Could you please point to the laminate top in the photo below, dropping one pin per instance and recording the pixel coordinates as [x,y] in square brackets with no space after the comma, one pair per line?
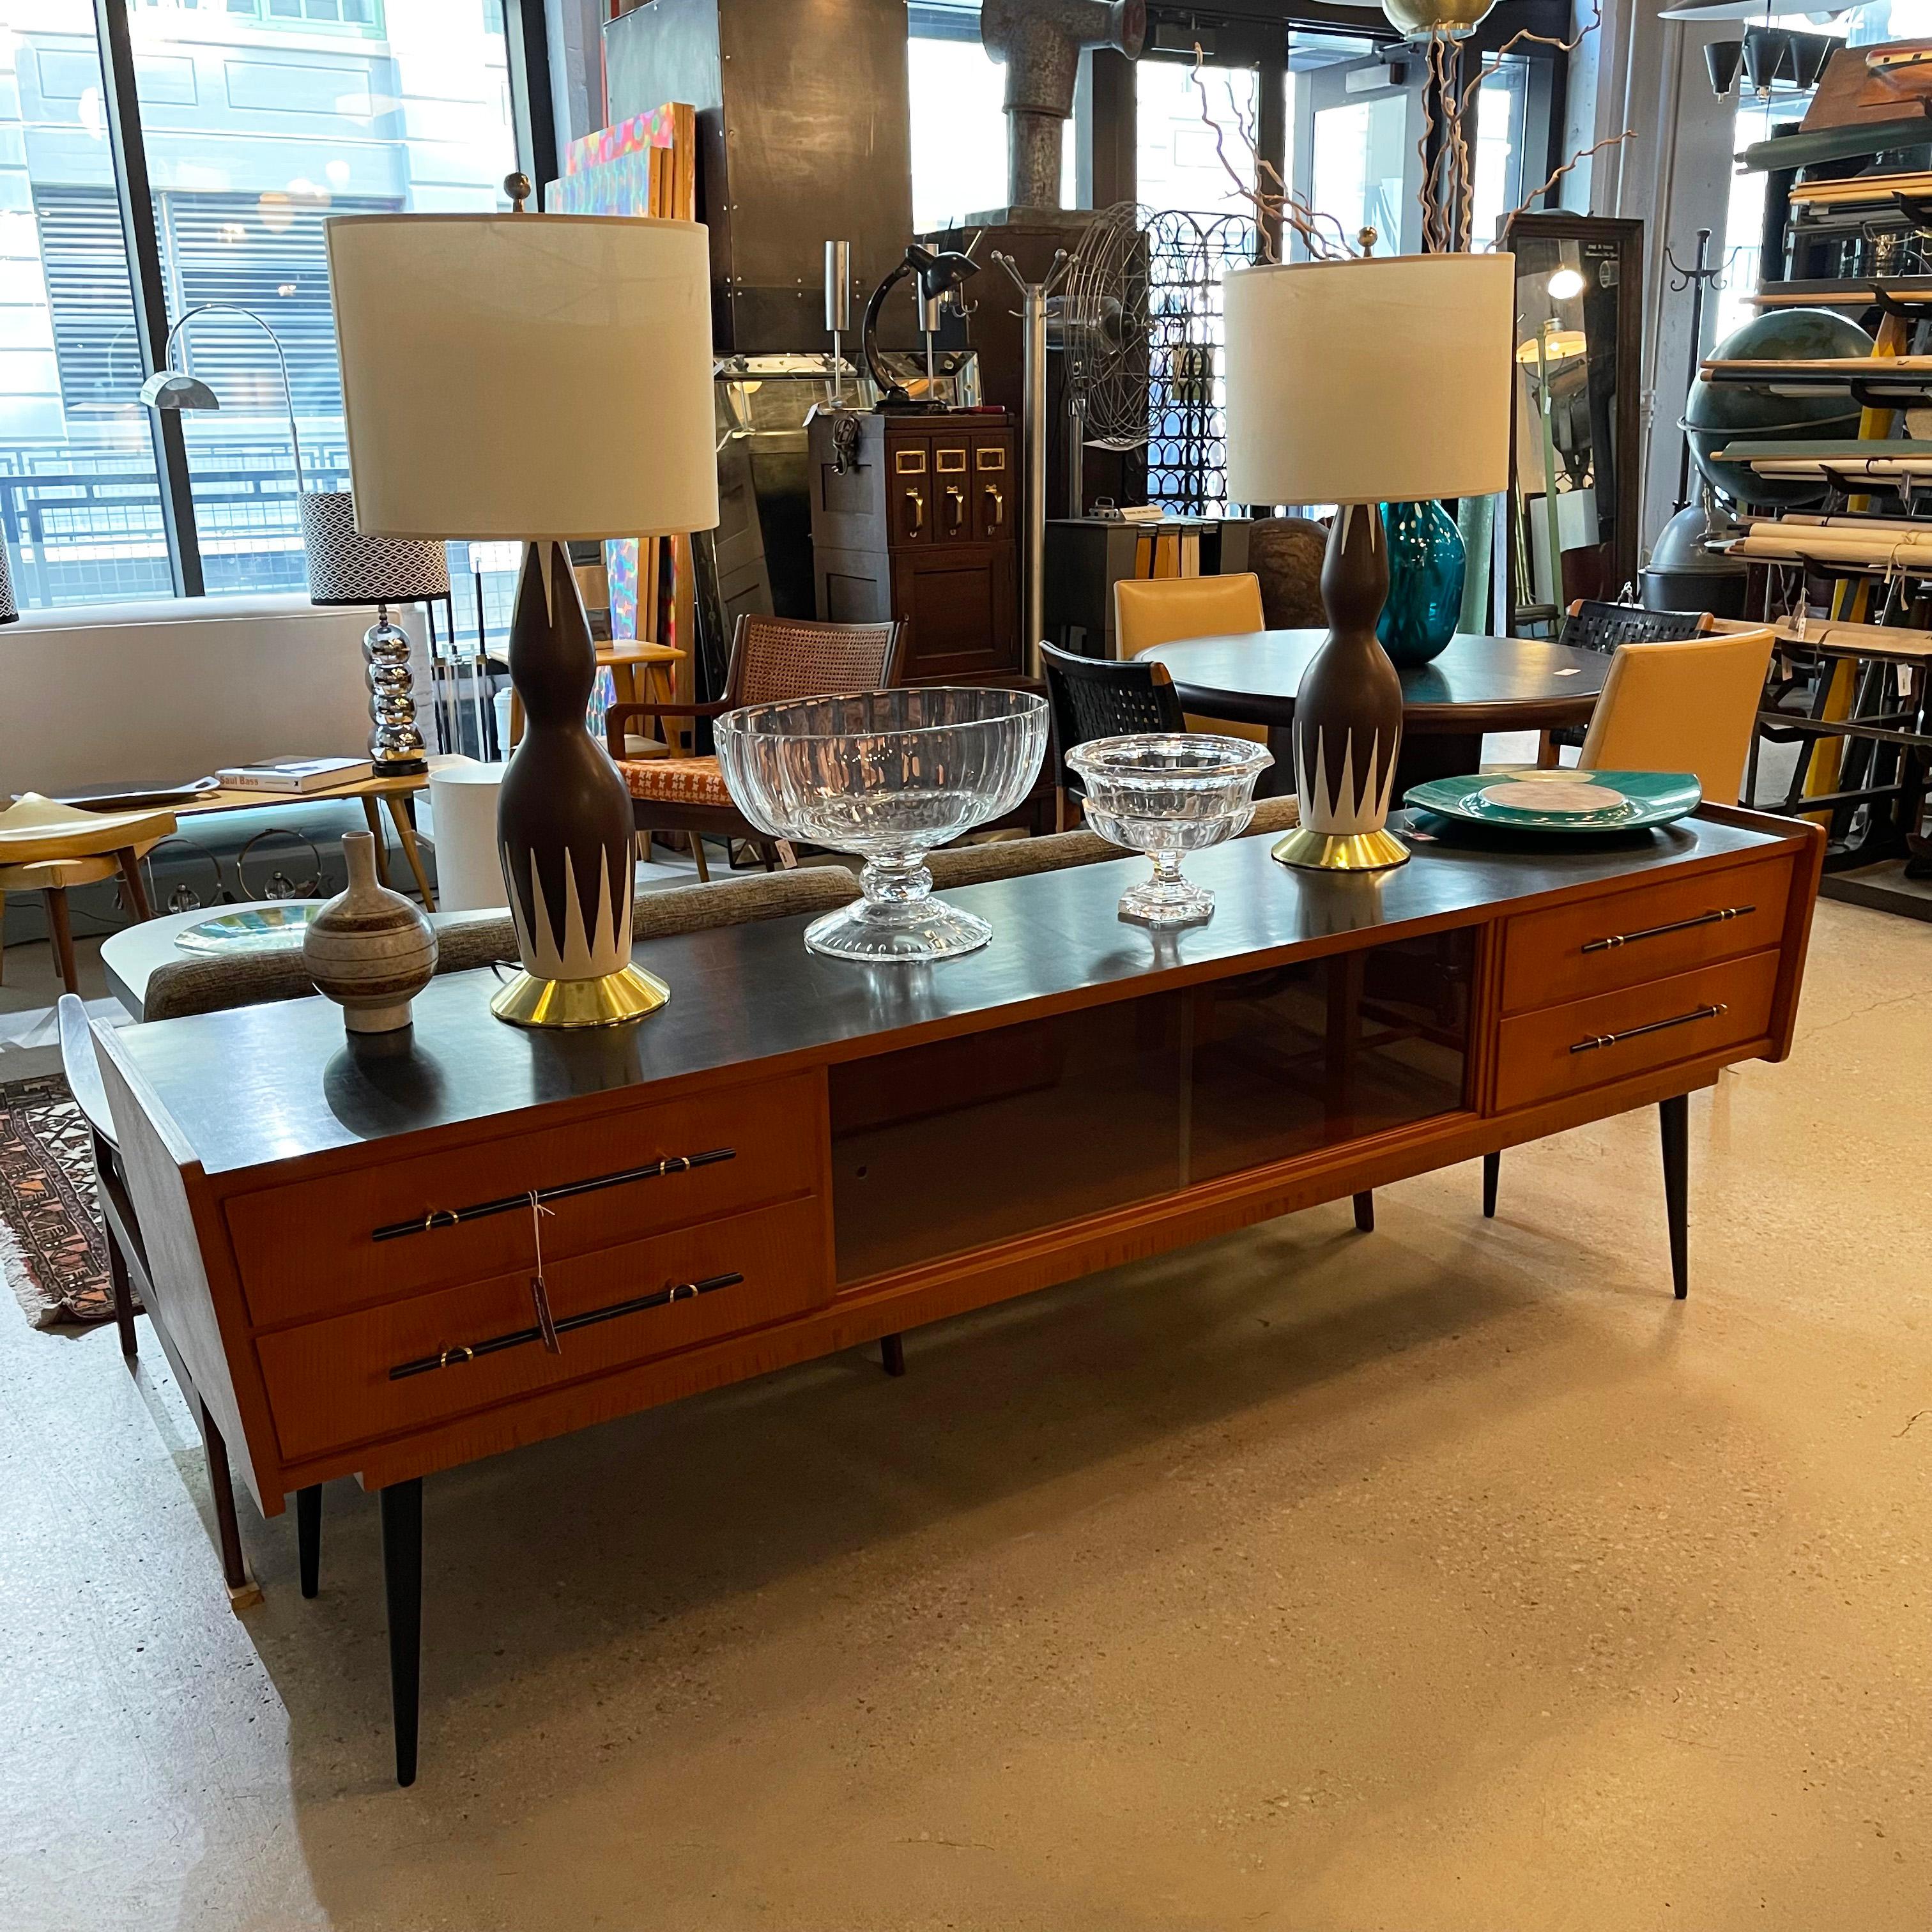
[260,1085]
[1478,683]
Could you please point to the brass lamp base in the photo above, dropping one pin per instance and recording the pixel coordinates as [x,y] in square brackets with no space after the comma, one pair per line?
[1331,852]
[627,994]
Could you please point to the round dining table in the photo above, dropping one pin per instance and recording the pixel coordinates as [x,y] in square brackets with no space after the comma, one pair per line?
[1478,684]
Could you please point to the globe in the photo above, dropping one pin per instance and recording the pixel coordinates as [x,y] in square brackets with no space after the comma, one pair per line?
[1716,413]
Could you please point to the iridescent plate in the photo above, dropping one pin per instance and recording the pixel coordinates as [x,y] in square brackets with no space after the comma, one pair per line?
[280,928]
[1563,801]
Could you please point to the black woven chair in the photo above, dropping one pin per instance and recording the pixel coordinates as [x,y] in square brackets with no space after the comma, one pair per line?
[1096,697]
[1591,626]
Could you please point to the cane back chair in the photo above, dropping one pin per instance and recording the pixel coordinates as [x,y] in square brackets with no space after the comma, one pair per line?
[772,658]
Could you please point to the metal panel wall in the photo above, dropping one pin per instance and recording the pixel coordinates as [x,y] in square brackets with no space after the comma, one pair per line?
[803,137]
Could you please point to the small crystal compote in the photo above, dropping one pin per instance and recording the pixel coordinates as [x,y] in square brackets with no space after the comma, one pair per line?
[1165,793]
[886,775]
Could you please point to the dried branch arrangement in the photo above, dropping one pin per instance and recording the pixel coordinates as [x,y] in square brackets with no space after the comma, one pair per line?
[1448,191]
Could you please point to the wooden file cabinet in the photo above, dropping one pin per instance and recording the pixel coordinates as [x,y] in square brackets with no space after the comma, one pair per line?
[915,520]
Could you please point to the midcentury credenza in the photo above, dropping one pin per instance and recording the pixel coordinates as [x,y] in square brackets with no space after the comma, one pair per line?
[799,1155]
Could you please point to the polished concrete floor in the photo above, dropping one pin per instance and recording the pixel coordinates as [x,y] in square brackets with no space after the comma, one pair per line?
[1449,1577]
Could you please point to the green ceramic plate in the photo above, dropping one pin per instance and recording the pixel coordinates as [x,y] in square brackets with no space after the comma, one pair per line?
[263,929]
[1561,801]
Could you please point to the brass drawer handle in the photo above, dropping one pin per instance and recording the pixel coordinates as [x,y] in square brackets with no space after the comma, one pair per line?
[452,1217]
[1676,925]
[997,497]
[916,498]
[518,1338]
[1655,1026]
[956,507]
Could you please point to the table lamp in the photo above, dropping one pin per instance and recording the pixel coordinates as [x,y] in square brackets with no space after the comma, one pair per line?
[1358,383]
[345,567]
[547,378]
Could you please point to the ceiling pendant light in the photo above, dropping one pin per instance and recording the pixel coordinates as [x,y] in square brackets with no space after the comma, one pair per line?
[1721,60]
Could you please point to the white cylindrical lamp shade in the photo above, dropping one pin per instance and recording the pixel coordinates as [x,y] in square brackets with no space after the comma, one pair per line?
[1385,380]
[526,376]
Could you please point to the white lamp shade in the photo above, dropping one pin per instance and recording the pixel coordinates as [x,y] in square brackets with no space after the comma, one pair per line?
[1379,381]
[525,375]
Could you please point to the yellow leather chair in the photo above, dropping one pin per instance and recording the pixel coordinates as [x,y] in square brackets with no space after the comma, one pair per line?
[1149,611]
[1689,705]
[47,848]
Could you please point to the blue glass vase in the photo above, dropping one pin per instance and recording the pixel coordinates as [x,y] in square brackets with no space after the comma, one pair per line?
[1426,563]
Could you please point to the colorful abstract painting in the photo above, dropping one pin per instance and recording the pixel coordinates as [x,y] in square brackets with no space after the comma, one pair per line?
[610,172]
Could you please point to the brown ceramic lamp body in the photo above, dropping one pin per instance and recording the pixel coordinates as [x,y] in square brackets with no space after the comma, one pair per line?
[564,823]
[1348,712]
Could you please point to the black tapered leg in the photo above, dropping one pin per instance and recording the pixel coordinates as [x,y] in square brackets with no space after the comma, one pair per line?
[1493,1171]
[221,1486]
[891,1353]
[1673,1119]
[308,1537]
[123,1297]
[1365,1212]
[401,1506]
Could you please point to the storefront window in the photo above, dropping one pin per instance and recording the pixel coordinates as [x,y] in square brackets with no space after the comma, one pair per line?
[259,119]
[80,505]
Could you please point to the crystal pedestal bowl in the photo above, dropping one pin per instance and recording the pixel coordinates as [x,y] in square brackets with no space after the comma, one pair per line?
[886,775]
[1164,794]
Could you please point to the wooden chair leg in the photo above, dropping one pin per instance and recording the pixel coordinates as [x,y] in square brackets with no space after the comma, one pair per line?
[891,1353]
[1493,1168]
[123,1296]
[1365,1212]
[130,862]
[698,852]
[1548,756]
[62,934]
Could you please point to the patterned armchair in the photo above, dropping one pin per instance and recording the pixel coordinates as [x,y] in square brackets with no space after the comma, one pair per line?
[772,658]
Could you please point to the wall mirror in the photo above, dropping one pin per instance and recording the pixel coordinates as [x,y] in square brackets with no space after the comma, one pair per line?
[1575,474]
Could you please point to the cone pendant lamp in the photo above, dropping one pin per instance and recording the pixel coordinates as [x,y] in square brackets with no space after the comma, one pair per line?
[542,378]
[1359,383]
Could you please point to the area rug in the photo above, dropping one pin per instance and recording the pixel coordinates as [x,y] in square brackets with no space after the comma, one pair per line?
[51,1245]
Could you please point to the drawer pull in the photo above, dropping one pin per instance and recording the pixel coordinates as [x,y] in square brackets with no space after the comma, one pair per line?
[1656,1026]
[452,1217]
[453,1357]
[1676,925]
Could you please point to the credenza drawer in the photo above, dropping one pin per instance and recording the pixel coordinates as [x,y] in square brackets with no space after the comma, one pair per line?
[1559,1050]
[330,1384]
[311,1249]
[1625,939]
